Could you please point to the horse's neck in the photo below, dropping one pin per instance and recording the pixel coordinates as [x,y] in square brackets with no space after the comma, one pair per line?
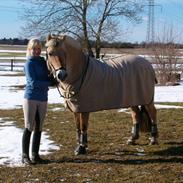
[76,67]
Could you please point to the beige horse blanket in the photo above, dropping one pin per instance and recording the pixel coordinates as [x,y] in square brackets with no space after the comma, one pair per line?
[120,82]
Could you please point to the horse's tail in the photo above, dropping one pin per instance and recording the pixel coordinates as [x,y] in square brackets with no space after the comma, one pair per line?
[145,122]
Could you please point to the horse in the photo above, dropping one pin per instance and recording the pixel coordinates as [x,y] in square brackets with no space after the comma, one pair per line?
[89,85]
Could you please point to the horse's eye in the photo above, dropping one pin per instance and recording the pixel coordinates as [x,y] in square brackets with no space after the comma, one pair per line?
[50,53]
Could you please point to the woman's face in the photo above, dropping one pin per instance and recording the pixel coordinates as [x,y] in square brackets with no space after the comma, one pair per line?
[36,51]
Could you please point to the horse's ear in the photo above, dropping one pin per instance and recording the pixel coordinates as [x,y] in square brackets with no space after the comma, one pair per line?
[62,37]
[48,37]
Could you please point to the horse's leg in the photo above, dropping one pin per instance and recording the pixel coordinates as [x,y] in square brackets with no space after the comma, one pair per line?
[135,112]
[78,130]
[153,115]
[82,127]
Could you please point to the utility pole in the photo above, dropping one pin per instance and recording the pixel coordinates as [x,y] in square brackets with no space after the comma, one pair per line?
[150,24]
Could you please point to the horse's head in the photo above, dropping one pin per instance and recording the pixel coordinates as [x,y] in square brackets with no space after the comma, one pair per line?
[56,56]
[65,57]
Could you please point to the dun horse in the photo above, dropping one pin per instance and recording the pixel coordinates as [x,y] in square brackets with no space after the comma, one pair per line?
[89,85]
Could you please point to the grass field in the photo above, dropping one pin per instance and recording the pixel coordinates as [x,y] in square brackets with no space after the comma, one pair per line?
[109,159]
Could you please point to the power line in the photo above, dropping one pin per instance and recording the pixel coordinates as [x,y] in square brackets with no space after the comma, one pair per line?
[10,8]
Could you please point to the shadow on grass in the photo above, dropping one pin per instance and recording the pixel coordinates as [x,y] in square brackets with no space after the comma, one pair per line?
[173,154]
[176,149]
[119,161]
[127,161]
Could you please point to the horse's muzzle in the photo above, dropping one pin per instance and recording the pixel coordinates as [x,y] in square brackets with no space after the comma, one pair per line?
[61,74]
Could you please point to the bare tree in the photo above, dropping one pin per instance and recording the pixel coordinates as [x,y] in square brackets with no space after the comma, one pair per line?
[85,19]
[168,68]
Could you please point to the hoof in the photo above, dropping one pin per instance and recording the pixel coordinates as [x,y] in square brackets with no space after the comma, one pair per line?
[153,141]
[80,150]
[130,141]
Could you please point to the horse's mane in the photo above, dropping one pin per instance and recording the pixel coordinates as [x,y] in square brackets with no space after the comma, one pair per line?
[53,40]
[72,42]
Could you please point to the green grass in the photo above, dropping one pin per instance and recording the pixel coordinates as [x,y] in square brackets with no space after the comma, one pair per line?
[109,159]
[171,103]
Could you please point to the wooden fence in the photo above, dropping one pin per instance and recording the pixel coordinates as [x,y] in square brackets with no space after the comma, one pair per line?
[17,63]
[12,64]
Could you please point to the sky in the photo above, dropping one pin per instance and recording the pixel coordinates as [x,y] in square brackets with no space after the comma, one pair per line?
[167,13]
[10,147]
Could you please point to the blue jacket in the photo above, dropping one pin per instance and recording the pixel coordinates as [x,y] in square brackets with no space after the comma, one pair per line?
[37,80]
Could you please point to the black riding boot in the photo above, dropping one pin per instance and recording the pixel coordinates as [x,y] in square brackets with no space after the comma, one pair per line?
[36,141]
[135,134]
[25,147]
[35,147]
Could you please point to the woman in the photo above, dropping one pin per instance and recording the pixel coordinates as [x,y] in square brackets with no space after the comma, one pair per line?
[35,101]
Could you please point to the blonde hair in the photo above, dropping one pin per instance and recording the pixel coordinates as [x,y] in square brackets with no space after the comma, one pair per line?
[34,42]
